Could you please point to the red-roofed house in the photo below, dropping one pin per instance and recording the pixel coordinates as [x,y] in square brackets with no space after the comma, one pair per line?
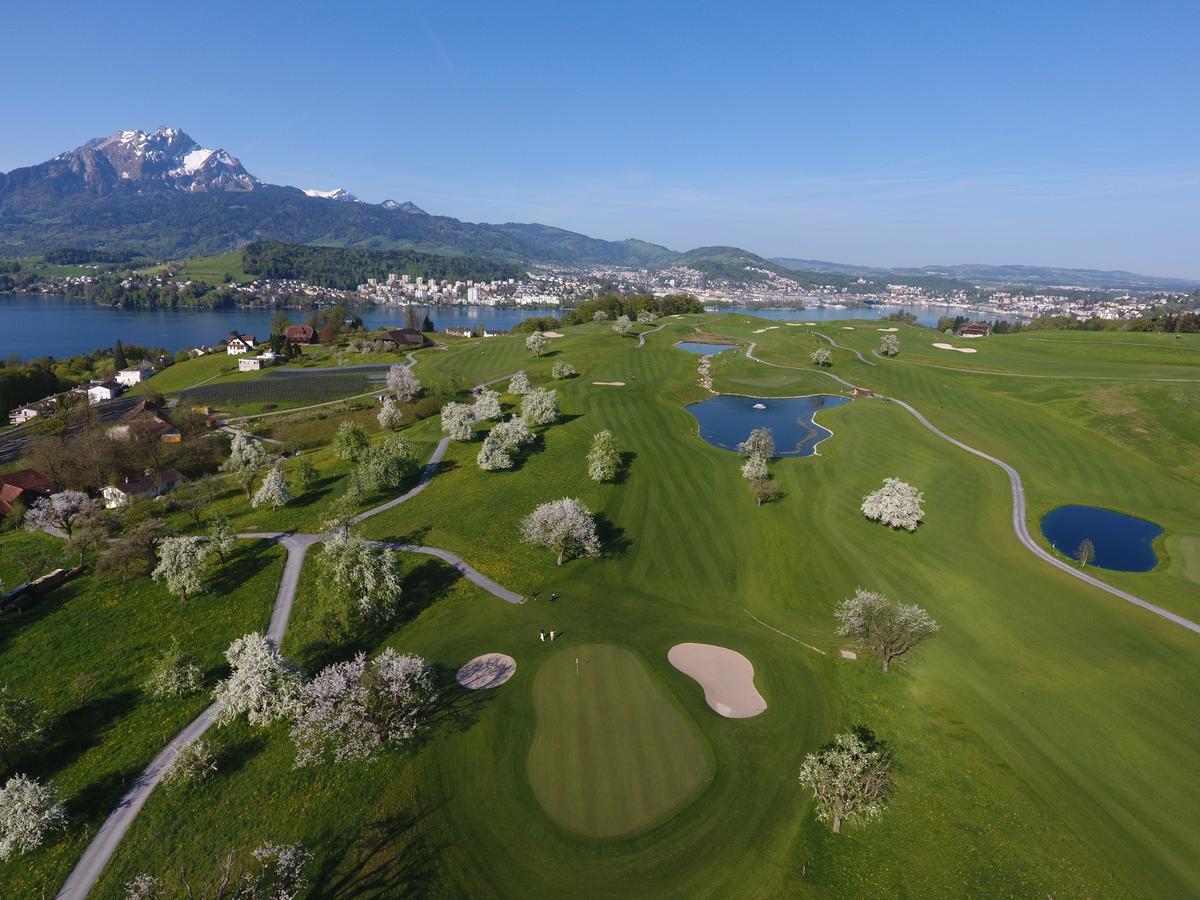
[25,485]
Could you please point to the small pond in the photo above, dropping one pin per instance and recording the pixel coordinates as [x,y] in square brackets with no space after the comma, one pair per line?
[701,349]
[727,420]
[1121,542]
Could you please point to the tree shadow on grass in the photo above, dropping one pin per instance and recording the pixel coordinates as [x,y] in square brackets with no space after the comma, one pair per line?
[456,707]
[623,466]
[567,418]
[387,858]
[75,732]
[13,623]
[249,558]
[318,492]
[613,541]
[234,758]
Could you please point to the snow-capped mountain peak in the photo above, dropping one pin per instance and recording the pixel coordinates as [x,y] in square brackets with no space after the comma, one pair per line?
[335,194]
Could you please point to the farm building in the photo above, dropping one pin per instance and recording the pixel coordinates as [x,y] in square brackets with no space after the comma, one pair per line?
[153,485]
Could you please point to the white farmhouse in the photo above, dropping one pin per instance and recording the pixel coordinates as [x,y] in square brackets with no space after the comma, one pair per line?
[103,390]
[135,375]
[239,344]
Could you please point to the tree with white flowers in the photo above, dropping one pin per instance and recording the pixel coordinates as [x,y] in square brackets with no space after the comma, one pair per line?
[350,442]
[646,317]
[221,537]
[364,579]
[390,415]
[536,343]
[458,421]
[493,455]
[174,674]
[849,779]
[539,407]
[269,872]
[353,710]
[61,512]
[192,763]
[487,405]
[889,345]
[246,459]
[274,490]
[599,316]
[603,459]
[519,384]
[29,810]
[563,370]
[513,434]
[183,565]
[385,465]
[564,526]
[403,384]
[755,468]
[761,442]
[889,630]
[822,356]
[262,685]
[622,325]
[896,504]
[20,728]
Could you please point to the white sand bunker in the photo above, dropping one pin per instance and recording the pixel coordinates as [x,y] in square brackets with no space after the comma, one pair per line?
[847,328]
[487,671]
[726,676]
[551,334]
[610,383]
[768,328]
[810,323]
[795,324]
[942,346]
[887,329]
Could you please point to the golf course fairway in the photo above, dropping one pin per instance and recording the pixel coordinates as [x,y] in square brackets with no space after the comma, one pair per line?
[612,753]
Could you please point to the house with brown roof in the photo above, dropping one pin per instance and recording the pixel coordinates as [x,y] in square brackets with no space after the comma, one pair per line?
[145,415]
[404,338]
[975,329]
[300,334]
[240,343]
[153,485]
[24,486]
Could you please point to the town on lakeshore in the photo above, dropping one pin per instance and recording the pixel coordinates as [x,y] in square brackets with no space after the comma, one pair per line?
[663,452]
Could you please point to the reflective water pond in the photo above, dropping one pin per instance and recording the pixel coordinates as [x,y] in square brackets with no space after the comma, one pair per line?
[727,420]
[1119,542]
[701,349]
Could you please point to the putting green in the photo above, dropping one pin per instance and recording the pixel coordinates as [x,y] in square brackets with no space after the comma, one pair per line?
[611,753]
[1189,551]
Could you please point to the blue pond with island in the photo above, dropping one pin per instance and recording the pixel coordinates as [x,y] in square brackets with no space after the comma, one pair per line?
[1121,542]
[727,420]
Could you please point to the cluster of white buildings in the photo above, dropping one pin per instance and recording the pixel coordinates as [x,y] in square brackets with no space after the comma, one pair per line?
[407,289]
[96,392]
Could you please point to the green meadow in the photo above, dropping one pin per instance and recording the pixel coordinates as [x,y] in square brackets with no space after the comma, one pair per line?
[1045,740]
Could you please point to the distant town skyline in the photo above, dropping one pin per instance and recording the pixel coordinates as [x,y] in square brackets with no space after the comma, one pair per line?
[1049,134]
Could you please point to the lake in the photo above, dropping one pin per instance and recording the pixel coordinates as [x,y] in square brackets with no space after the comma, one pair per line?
[727,419]
[703,349]
[1121,542]
[42,325]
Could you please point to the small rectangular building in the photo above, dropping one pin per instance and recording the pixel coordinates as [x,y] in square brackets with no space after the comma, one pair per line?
[134,375]
[154,485]
[104,390]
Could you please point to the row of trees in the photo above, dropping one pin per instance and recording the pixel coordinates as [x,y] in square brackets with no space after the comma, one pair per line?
[614,307]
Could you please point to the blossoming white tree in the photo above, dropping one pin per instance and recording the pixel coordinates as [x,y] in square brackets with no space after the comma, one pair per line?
[487,405]
[194,762]
[563,369]
[262,686]
[220,536]
[29,810]
[352,710]
[755,468]
[896,504]
[61,511]
[385,465]
[519,384]
[458,421]
[564,526]
[350,442]
[174,673]
[403,383]
[536,343]
[274,490]
[20,728]
[889,345]
[390,415]
[269,872]
[849,780]
[761,442]
[889,630]
[363,577]
[622,325]
[246,459]
[646,317]
[183,564]
[493,455]
[539,407]
[599,316]
[603,460]
[513,434]
[822,356]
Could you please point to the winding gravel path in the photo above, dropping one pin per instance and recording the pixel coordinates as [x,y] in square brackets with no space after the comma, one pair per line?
[1019,514]
[642,337]
[102,847]
[836,345]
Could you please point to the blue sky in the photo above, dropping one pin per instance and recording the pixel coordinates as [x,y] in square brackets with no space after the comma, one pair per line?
[1053,133]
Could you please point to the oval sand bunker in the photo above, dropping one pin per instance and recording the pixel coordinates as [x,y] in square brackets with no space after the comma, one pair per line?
[487,671]
[726,676]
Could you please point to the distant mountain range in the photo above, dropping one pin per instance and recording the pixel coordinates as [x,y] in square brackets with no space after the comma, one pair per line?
[161,194]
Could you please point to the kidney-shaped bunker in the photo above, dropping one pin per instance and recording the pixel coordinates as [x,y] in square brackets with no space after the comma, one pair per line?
[726,676]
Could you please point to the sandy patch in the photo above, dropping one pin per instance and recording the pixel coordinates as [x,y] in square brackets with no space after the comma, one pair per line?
[676,316]
[487,671]
[610,383]
[887,329]
[847,328]
[768,328]
[848,654]
[943,346]
[551,334]
[726,676]
[966,349]
[810,323]
[795,324]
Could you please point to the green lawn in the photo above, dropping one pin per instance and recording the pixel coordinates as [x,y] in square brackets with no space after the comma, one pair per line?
[611,754]
[1045,739]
